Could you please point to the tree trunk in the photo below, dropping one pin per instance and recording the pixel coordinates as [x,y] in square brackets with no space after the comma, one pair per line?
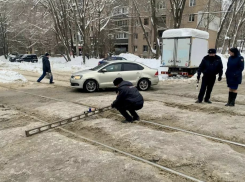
[177,7]
[222,23]
[153,9]
[142,26]
[228,29]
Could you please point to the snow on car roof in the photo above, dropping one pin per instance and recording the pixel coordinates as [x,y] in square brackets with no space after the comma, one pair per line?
[185,32]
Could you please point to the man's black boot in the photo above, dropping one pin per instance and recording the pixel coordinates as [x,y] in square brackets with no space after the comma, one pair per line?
[198,101]
[128,120]
[208,101]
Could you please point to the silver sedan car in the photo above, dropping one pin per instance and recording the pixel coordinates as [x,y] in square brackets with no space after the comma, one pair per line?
[102,76]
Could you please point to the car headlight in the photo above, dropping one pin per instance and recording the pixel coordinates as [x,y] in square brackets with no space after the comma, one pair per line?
[77,77]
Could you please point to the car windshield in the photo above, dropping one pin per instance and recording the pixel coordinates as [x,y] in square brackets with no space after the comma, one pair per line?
[98,67]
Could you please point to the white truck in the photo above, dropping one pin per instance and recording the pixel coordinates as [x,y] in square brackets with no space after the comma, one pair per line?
[183,50]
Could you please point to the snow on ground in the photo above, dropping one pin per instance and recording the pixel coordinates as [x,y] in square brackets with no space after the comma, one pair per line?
[7,76]
[76,64]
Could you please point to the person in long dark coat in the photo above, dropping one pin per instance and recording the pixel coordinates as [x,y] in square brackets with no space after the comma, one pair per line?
[210,66]
[128,99]
[233,74]
[46,68]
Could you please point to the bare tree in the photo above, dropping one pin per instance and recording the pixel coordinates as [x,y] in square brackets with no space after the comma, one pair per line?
[154,21]
[4,20]
[238,13]
[59,12]
[223,20]
[177,8]
[241,13]
[142,26]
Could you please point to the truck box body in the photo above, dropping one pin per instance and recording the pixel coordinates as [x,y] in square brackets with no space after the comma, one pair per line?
[183,49]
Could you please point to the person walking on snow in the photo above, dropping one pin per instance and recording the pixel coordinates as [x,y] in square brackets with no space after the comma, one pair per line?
[46,68]
[128,98]
[210,66]
[233,74]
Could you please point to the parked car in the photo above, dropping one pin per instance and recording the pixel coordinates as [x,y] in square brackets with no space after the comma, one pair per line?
[12,58]
[111,59]
[28,58]
[102,76]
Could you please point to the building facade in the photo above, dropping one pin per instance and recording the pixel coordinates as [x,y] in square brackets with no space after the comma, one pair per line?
[130,36]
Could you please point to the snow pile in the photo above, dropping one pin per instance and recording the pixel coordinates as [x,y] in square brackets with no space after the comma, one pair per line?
[185,32]
[57,64]
[128,56]
[7,76]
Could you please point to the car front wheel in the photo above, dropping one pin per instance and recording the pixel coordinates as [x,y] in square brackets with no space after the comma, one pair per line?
[144,84]
[90,86]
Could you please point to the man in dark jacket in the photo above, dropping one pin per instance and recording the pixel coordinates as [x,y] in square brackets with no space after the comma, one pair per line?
[210,66]
[128,98]
[46,68]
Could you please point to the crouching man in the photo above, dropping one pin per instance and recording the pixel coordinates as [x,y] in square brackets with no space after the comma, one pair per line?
[128,99]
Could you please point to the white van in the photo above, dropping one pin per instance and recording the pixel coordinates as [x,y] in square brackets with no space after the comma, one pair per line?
[183,50]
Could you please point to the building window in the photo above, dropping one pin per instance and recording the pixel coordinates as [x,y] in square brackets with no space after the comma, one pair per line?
[146,21]
[192,2]
[120,10]
[122,36]
[161,5]
[135,48]
[191,17]
[145,48]
[146,35]
[135,36]
[121,23]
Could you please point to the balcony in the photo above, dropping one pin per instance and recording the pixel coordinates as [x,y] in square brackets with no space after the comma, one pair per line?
[121,41]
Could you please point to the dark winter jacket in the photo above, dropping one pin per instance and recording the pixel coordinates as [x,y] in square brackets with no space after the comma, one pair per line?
[46,64]
[127,95]
[211,66]
[234,70]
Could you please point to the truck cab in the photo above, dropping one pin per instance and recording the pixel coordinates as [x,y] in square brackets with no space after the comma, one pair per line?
[183,50]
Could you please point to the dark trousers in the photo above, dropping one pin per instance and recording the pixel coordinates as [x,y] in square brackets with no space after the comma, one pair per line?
[207,86]
[132,110]
[44,74]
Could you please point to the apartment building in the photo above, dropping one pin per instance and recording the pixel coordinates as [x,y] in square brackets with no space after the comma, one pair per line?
[130,36]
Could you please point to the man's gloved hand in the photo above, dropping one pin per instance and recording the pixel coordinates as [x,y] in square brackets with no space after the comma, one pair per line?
[198,77]
[220,78]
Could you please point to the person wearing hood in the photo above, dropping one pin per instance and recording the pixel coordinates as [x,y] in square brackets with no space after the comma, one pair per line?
[128,99]
[233,74]
[210,66]
[46,69]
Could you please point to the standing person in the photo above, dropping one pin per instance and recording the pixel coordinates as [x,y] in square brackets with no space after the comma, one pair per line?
[233,74]
[46,68]
[128,98]
[210,66]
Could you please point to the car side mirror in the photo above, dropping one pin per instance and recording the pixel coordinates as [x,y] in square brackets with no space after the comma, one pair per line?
[103,70]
